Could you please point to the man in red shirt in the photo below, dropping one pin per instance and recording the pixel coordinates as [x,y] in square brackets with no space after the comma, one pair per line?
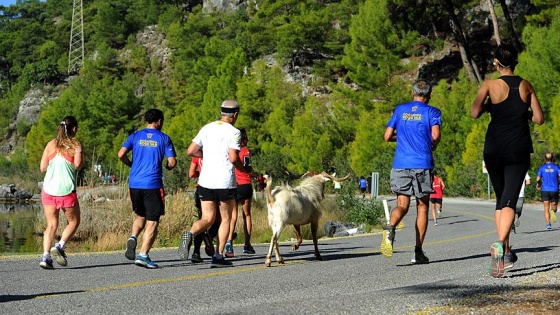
[436,199]
[244,196]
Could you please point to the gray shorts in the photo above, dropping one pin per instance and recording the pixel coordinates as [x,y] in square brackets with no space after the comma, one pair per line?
[417,182]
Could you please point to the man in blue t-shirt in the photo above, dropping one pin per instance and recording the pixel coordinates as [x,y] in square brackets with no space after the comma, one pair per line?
[363,186]
[549,174]
[149,146]
[415,126]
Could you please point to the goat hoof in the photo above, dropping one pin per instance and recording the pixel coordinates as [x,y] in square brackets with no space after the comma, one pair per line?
[267,262]
[319,257]
[281,261]
[295,247]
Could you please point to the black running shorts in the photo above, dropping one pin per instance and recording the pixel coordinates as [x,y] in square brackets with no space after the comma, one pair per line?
[148,203]
[216,195]
[244,192]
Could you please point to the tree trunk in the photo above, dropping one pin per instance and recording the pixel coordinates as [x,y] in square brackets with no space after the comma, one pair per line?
[514,38]
[468,62]
[494,22]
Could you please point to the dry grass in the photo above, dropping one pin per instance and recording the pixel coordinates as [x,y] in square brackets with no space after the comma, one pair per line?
[106,226]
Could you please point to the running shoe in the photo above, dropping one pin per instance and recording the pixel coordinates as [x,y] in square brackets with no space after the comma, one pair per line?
[208,245]
[185,245]
[439,213]
[548,226]
[229,250]
[219,263]
[196,259]
[513,256]
[130,253]
[508,260]
[145,261]
[46,263]
[435,222]
[516,222]
[553,216]
[387,240]
[59,255]
[497,269]
[248,249]
[419,258]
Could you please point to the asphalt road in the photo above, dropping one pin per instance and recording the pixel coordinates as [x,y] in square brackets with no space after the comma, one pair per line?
[353,278]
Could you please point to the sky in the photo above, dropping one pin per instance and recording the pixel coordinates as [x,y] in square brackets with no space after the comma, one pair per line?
[7,3]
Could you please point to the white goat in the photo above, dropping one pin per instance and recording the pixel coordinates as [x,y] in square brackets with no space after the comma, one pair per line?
[298,206]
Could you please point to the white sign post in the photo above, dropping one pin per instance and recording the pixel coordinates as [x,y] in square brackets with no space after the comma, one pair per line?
[387,214]
[485,171]
[374,185]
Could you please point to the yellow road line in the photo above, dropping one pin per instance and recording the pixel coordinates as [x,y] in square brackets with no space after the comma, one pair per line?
[253,268]
[461,238]
[230,271]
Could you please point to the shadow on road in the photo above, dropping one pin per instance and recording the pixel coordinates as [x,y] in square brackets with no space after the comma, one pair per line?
[531,270]
[463,221]
[539,231]
[12,298]
[455,259]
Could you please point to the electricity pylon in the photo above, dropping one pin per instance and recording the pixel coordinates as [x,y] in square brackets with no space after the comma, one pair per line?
[76,51]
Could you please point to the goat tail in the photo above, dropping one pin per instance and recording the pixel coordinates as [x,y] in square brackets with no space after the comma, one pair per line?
[269,198]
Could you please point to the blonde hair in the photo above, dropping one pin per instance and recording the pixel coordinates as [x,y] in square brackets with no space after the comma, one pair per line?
[65,133]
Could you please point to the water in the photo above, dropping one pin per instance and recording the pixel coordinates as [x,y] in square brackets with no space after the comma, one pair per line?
[17,228]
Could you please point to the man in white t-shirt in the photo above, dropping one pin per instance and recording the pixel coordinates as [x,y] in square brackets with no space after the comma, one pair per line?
[218,143]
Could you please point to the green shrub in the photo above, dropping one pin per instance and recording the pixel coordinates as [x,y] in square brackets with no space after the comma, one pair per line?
[360,210]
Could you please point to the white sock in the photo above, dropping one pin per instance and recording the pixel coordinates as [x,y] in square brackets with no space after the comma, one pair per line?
[62,244]
[46,254]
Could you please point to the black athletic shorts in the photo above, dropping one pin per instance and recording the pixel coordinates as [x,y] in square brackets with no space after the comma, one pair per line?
[148,203]
[244,192]
[549,196]
[197,200]
[216,195]
[439,201]
[507,173]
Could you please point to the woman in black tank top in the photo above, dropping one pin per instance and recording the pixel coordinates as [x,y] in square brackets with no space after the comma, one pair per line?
[511,102]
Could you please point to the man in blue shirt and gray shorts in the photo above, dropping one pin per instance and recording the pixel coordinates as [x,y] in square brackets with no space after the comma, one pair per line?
[415,126]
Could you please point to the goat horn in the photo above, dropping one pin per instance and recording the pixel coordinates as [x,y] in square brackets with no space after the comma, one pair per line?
[269,198]
[338,179]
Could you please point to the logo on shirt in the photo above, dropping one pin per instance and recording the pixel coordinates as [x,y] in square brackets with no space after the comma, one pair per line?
[148,143]
[409,116]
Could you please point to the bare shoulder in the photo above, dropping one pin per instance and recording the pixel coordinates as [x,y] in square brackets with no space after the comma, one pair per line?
[497,89]
[50,147]
[526,85]
[494,83]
